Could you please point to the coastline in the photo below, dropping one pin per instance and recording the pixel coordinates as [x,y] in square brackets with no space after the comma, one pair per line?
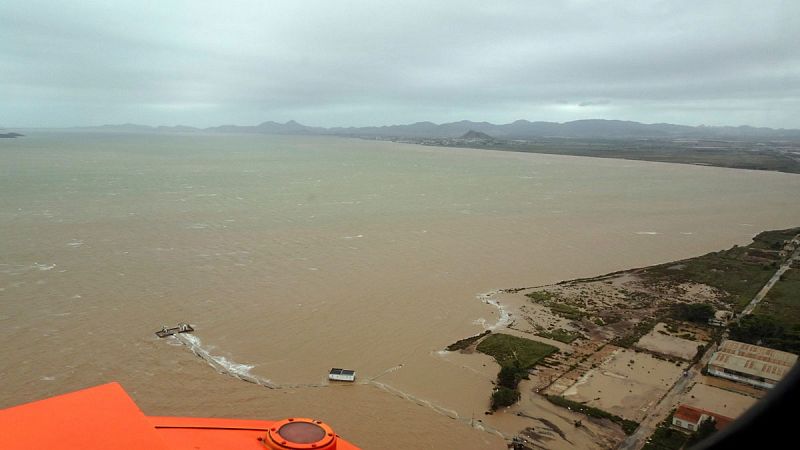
[623,371]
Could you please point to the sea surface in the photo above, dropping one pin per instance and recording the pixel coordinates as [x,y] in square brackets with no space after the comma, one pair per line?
[292,255]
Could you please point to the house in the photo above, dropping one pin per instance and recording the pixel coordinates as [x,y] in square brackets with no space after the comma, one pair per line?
[750,364]
[689,418]
[721,318]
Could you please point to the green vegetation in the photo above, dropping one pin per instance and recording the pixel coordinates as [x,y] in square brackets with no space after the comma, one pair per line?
[516,356]
[732,271]
[567,311]
[510,376]
[628,426]
[509,350]
[775,322]
[733,153]
[774,239]
[783,301]
[639,330]
[560,335]
[542,296]
[556,305]
[666,438]
[466,342]
[764,330]
[693,312]
[503,397]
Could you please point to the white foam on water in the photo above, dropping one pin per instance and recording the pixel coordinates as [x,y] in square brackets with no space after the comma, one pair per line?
[242,372]
[222,364]
[234,367]
[504,316]
[75,243]
[358,236]
[648,233]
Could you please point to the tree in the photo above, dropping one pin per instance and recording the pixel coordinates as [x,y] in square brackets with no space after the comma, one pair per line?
[504,396]
[694,312]
[509,376]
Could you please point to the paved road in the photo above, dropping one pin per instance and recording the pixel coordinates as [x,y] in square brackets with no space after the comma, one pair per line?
[659,412]
[777,276]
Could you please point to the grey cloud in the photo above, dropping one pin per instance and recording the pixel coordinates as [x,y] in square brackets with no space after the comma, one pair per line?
[366,63]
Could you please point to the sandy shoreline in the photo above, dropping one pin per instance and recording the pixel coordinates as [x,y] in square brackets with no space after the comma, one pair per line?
[619,351]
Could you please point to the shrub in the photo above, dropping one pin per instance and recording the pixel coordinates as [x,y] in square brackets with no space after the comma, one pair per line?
[503,397]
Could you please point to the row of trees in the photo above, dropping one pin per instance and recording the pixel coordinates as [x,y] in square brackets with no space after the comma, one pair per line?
[693,312]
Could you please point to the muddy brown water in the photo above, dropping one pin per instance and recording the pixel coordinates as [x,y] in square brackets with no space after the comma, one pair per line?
[292,255]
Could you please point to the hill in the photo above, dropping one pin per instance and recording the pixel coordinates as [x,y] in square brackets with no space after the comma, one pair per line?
[520,129]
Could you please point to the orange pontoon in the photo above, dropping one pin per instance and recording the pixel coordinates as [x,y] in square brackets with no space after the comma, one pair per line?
[106,418]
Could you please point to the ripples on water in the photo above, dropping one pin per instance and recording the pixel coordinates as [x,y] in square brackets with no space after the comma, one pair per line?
[297,254]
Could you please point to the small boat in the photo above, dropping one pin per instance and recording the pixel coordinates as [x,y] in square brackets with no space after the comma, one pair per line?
[181,328]
[342,375]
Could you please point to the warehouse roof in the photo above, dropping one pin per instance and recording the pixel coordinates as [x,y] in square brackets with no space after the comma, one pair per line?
[753,360]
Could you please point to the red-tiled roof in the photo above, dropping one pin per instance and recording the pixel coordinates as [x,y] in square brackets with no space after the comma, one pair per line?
[689,414]
[693,415]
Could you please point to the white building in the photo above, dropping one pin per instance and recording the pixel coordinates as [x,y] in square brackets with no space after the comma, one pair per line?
[689,418]
[751,364]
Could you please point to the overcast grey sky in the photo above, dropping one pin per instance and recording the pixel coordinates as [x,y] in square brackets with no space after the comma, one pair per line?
[328,62]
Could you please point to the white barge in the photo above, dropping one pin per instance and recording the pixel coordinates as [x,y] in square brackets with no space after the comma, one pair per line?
[342,375]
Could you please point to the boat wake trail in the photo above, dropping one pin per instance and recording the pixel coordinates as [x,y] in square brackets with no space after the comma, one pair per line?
[221,364]
[242,372]
[387,371]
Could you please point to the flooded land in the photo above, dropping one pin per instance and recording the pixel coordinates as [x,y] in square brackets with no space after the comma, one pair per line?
[292,255]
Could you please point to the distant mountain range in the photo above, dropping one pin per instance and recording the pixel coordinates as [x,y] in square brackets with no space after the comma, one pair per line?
[521,129]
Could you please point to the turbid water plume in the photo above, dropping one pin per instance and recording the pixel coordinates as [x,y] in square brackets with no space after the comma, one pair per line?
[292,255]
